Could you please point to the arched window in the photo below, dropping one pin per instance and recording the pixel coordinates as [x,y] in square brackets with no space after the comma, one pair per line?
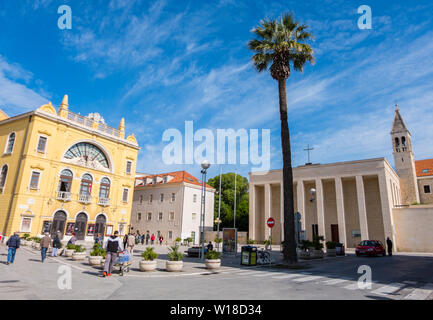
[3,176]
[11,142]
[65,181]
[403,141]
[104,190]
[397,144]
[86,185]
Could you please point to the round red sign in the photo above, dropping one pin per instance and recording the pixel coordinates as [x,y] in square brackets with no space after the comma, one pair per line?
[271,222]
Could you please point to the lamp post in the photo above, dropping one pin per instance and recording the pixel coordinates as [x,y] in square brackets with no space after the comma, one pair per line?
[205,165]
[219,209]
[313,197]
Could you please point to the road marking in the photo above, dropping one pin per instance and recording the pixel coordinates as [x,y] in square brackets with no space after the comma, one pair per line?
[420,293]
[334,281]
[305,279]
[353,286]
[389,289]
[287,276]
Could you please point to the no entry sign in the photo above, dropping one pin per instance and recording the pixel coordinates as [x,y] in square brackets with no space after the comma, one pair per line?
[271,222]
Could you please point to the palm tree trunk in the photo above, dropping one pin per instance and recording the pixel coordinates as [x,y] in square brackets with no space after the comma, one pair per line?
[289,247]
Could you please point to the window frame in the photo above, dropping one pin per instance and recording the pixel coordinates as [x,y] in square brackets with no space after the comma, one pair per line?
[39,180]
[8,142]
[30,226]
[160,216]
[46,143]
[429,189]
[130,167]
[123,195]
[149,216]
[169,216]
[2,188]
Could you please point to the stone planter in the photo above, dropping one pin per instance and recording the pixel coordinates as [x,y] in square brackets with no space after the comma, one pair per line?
[102,263]
[78,256]
[69,252]
[147,265]
[213,263]
[37,246]
[317,254]
[331,252]
[95,260]
[33,244]
[174,266]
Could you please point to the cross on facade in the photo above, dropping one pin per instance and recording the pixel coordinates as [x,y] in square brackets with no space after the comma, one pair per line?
[308,152]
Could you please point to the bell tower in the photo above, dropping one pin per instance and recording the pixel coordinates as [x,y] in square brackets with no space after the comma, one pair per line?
[404,160]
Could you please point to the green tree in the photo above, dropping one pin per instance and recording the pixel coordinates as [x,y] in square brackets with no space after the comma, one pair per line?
[228,200]
[279,45]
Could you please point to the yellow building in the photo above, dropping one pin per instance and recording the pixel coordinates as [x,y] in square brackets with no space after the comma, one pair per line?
[63,171]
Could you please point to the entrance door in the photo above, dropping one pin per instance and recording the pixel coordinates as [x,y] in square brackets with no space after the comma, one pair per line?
[80,226]
[334,233]
[100,225]
[58,224]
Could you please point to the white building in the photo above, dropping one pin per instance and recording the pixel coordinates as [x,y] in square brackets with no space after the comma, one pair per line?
[169,204]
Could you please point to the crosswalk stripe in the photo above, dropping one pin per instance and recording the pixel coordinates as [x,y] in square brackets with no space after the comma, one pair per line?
[388,289]
[353,286]
[334,281]
[310,278]
[420,293]
[287,276]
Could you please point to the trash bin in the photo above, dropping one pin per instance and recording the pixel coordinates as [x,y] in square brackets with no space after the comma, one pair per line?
[249,256]
[339,249]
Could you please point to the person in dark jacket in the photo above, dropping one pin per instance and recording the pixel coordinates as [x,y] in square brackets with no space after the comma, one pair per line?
[112,247]
[56,244]
[210,246]
[13,243]
[389,246]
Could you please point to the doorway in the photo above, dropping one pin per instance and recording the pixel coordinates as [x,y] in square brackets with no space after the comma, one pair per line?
[334,233]
[58,224]
[80,226]
[100,225]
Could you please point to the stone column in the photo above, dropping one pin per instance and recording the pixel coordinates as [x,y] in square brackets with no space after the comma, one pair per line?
[340,211]
[253,213]
[320,207]
[388,223]
[268,208]
[362,208]
[301,201]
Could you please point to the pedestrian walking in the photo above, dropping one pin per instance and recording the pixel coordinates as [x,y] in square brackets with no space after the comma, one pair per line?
[142,238]
[160,240]
[99,239]
[389,246]
[130,244]
[13,244]
[112,247]
[209,246]
[45,244]
[152,238]
[125,240]
[56,244]
[147,238]
[73,239]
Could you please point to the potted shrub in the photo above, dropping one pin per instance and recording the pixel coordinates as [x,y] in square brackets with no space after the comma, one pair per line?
[24,239]
[177,241]
[213,259]
[189,241]
[37,242]
[148,263]
[96,256]
[79,253]
[304,253]
[175,263]
[331,250]
[70,248]
[318,246]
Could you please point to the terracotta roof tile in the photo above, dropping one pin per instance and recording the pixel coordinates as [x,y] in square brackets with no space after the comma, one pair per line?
[424,167]
[178,177]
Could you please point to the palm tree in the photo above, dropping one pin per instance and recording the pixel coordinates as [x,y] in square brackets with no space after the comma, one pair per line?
[281,44]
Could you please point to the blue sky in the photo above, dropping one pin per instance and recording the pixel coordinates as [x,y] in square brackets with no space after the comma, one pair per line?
[160,63]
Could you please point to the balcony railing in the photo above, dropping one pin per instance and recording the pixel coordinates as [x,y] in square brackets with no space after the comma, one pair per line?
[63,195]
[84,198]
[102,127]
[104,201]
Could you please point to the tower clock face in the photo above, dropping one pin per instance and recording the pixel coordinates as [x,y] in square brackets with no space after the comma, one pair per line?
[87,155]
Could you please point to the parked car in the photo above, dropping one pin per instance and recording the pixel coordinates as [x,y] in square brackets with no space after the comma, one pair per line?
[370,248]
[194,251]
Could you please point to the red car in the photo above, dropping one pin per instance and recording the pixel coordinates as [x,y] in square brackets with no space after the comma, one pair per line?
[370,248]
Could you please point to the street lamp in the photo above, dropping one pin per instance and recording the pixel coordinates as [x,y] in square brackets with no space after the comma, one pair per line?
[313,197]
[205,165]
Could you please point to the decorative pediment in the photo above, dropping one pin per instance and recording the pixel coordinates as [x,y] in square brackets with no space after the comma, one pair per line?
[45,132]
[37,166]
[48,108]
